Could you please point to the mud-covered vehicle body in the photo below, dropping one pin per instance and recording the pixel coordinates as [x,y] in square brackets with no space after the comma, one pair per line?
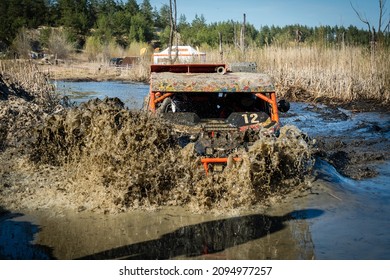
[217,109]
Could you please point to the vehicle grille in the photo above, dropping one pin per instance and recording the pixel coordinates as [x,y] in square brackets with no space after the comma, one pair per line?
[218,127]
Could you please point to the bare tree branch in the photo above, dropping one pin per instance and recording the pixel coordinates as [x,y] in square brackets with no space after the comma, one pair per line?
[387,27]
[382,24]
[382,10]
[361,18]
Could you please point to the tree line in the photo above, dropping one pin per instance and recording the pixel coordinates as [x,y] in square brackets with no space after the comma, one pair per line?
[137,21]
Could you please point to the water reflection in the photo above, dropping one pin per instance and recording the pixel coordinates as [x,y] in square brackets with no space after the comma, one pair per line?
[16,237]
[207,237]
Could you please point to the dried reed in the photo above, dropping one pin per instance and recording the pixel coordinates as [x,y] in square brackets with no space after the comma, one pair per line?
[341,74]
[309,73]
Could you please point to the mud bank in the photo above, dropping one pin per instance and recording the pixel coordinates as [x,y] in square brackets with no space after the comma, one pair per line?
[298,94]
[356,159]
[359,150]
[355,143]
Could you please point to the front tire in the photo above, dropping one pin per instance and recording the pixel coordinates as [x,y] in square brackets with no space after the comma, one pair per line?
[166,106]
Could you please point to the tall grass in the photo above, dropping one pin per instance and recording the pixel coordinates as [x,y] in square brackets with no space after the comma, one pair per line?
[342,74]
[309,73]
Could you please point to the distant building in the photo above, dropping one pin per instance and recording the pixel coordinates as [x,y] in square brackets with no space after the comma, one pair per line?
[186,54]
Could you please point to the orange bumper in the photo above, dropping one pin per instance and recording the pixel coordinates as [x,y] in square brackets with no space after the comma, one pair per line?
[206,161]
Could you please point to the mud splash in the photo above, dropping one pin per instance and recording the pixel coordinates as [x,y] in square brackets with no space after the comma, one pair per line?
[24,102]
[102,157]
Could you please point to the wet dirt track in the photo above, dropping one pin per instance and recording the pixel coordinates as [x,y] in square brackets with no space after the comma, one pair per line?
[337,218]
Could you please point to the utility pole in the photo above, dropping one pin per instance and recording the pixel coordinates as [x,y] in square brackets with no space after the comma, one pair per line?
[242,37]
[220,46]
[173,31]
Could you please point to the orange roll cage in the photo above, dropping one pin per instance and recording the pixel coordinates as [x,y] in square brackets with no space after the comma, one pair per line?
[206,161]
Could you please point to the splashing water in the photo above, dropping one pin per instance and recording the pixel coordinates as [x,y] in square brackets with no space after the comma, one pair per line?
[106,158]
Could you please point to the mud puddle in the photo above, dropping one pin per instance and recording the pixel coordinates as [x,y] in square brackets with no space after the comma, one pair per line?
[172,233]
[338,218]
[355,223]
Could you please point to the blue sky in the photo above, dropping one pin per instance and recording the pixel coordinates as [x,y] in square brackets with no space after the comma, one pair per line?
[280,12]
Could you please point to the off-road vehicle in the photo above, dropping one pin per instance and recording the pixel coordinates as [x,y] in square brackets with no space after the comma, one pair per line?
[218,107]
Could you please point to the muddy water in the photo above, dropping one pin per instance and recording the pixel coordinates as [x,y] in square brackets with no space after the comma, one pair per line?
[170,233]
[336,218]
[355,223]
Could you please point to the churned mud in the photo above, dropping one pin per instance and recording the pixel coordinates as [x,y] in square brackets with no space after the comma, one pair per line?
[101,157]
[355,143]
[355,159]
[358,149]
[352,136]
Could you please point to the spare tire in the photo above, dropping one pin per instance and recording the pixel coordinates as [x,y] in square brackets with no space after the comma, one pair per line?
[221,70]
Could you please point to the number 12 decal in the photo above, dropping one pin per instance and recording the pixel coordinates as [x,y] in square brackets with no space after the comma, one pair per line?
[250,118]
